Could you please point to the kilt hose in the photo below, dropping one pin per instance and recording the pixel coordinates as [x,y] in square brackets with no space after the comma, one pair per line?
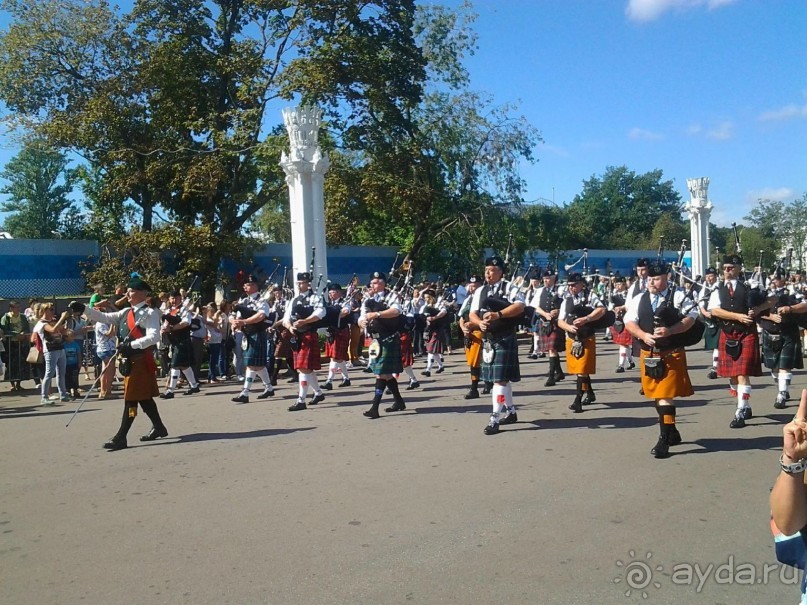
[504,367]
[747,364]
[622,338]
[711,337]
[552,341]
[473,352]
[182,353]
[407,353]
[675,382]
[435,343]
[257,349]
[337,349]
[389,359]
[308,356]
[587,364]
[141,383]
[783,352]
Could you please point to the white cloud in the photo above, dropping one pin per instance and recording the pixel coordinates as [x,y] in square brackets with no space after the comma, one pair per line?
[649,10]
[640,134]
[788,112]
[722,132]
[694,130]
[775,194]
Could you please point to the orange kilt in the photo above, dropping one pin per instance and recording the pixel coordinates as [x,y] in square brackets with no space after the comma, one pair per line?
[141,383]
[587,364]
[676,381]
[473,352]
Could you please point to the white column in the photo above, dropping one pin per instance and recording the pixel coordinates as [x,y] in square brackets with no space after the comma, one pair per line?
[700,210]
[305,167]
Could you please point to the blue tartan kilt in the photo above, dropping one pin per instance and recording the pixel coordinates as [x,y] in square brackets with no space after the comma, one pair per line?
[389,360]
[504,367]
[257,349]
[787,356]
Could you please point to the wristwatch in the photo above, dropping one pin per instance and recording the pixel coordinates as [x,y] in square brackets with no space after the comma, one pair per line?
[794,467]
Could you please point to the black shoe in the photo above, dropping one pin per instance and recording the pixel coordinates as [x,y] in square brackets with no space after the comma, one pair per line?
[192,390]
[240,399]
[588,398]
[155,433]
[641,391]
[712,374]
[559,376]
[440,370]
[367,370]
[631,365]
[371,413]
[737,422]
[167,395]
[317,399]
[661,449]
[344,383]
[511,418]
[297,407]
[781,401]
[486,389]
[413,384]
[576,406]
[492,429]
[267,393]
[620,370]
[295,378]
[472,394]
[396,407]
[533,356]
[746,413]
[550,382]
[674,438]
[541,355]
[427,373]
[327,385]
[787,395]
[116,443]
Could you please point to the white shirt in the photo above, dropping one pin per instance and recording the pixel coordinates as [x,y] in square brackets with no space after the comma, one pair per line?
[146,318]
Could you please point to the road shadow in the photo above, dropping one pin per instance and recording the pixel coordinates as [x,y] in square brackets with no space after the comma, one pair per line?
[197,437]
[738,444]
[589,422]
[455,409]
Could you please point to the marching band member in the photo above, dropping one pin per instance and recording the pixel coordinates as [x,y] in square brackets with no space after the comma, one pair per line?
[711,335]
[547,303]
[619,335]
[303,312]
[473,339]
[336,347]
[253,316]
[177,327]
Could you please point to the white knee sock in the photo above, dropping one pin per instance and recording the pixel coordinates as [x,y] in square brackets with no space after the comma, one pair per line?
[715,355]
[623,354]
[303,386]
[410,372]
[312,380]
[429,361]
[172,384]
[499,399]
[191,378]
[743,396]
[342,366]
[263,374]
[508,398]
[331,370]
[249,378]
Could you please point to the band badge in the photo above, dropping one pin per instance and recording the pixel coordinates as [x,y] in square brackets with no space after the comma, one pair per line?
[375,349]
[488,352]
[578,350]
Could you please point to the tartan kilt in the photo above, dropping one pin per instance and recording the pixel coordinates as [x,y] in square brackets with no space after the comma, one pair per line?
[473,352]
[337,349]
[435,343]
[587,364]
[182,354]
[711,337]
[622,338]
[257,349]
[407,354]
[389,360]
[788,357]
[552,341]
[748,364]
[141,383]
[676,381]
[504,366]
[282,346]
[308,356]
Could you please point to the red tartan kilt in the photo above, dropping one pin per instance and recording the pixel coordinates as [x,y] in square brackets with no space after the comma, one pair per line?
[337,349]
[308,356]
[407,354]
[623,338]
[748,364]
[555,341]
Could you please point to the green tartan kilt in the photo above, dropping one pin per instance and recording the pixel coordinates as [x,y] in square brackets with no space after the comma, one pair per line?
[257,347]
[504,367]
[389,360]
[182,354]
[711,337]
[788,357]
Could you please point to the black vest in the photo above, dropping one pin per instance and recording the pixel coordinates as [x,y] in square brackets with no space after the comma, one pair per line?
[737,303]
[495,299]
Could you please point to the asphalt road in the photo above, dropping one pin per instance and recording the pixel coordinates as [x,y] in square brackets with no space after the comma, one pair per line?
[253,504]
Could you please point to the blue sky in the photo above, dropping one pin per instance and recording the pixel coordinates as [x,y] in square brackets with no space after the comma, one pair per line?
[713,88]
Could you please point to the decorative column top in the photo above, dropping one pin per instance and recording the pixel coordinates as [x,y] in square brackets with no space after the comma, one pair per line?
[699,191]
[302,124]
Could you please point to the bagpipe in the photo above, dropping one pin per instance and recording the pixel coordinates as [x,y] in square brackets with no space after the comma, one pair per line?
[583,309]
[174,319]
[384,326]
[618,300]
[667,314]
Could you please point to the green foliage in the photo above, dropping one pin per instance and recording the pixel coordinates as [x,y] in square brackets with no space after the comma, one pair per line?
[39,183]
[780,226]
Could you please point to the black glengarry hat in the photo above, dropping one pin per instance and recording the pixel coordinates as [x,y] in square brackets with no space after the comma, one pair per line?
[494,261]
[378,275]
[304,276]
[657,268]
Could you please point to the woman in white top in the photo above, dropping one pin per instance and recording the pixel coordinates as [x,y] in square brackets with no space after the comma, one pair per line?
[52,333]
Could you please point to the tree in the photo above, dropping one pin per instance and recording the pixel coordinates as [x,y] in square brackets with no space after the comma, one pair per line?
[39,183]
[614,208]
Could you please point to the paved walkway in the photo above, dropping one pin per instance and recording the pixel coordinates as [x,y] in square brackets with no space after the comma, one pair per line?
[253,504]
